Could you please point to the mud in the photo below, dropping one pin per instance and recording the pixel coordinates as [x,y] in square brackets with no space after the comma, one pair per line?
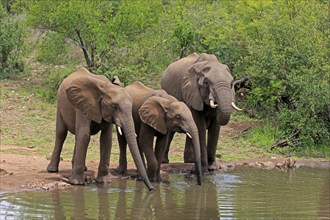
[22,172]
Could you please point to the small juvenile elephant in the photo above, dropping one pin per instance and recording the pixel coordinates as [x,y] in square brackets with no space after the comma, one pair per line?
[157,114]
[87,104]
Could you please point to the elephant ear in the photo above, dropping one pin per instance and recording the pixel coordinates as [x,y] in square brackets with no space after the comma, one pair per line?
[115,80]
[152,113]
[85,94]
[190,89]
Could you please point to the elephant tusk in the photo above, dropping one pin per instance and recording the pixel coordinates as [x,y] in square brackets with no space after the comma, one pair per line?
[189,135]
[212,104]
[119,130]
[235,107]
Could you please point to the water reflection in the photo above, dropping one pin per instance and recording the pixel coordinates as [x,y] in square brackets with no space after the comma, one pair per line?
[237,194]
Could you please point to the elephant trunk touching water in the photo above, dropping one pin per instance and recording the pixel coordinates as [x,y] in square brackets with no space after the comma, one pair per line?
[157,114]
[192,133]
[130,136]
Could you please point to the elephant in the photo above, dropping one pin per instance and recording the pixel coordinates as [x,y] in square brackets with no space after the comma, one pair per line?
[157,114]
[88,104]
[208,88]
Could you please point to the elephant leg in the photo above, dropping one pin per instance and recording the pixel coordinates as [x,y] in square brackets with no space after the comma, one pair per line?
[60,136]
[159,152]
[122,168]
[167,147]
[212,142]
[72,160]
[82,139]
[103,175]
[146,145]
[188,151]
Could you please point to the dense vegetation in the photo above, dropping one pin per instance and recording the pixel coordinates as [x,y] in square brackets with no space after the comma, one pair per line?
[282,45]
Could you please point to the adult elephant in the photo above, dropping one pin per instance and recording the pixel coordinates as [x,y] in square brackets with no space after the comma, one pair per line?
[157,114]
[87,104]
[207,87]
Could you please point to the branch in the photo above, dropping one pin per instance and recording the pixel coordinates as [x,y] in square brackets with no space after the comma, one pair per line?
[240,81]
[88,60]
[284,142]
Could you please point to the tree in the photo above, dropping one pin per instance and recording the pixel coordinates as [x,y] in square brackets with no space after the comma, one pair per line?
[11,43]
[83,22]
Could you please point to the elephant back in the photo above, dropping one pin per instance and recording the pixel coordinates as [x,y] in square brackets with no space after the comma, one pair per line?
[173,76]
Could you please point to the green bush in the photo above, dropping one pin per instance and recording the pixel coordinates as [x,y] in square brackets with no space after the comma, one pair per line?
[11,44]
[54,78]
[286,47]
[53,49]
[282,45]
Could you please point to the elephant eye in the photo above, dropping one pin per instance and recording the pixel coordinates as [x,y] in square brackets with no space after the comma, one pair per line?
[206,83]
[178,117]
[115,107]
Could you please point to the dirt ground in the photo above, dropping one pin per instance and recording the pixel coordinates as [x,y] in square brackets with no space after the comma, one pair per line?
[22,172]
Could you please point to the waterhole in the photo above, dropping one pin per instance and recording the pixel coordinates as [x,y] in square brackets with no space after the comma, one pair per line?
[242,193]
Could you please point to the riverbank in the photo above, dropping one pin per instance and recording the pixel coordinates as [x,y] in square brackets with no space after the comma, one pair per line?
[28,172]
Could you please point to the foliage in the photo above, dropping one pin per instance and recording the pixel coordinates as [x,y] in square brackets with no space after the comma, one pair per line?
[84,22]
[283,56]
[11,44]
[282,45]
[54,78]
[53,49]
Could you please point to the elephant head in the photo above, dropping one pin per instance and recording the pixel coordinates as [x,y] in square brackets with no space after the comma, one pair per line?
[166,115]
[210,83]
[100,100]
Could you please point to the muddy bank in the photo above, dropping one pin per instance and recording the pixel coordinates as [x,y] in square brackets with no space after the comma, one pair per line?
[22,172]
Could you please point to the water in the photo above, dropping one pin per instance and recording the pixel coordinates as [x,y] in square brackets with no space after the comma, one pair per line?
[244,193]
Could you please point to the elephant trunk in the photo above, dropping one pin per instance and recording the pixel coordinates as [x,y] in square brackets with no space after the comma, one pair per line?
[224,99]
[193,134]
[129,132]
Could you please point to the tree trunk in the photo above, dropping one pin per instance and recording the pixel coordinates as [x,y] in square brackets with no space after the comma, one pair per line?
[84,49]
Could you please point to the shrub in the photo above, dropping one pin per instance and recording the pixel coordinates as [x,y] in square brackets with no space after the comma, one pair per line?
[11,44]
[53,49]
[53,80]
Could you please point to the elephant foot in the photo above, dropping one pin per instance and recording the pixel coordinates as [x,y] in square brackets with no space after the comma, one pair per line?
[155,178]
[213,166]
[51,168]
[205,170]
[165,160]
[189,160]
[103,179]
[84,169]
[121,169]
[77,179]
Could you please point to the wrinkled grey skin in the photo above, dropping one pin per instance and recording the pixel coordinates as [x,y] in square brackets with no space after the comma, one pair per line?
[87,104]
[157,114]
[196,80]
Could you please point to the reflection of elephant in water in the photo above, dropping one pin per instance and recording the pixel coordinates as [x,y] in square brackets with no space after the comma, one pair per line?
[87,104]
[207,87]
[157,114]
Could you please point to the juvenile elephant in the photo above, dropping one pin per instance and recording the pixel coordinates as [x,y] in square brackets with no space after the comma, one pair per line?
[87,104]
[157,114]
[207,87]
